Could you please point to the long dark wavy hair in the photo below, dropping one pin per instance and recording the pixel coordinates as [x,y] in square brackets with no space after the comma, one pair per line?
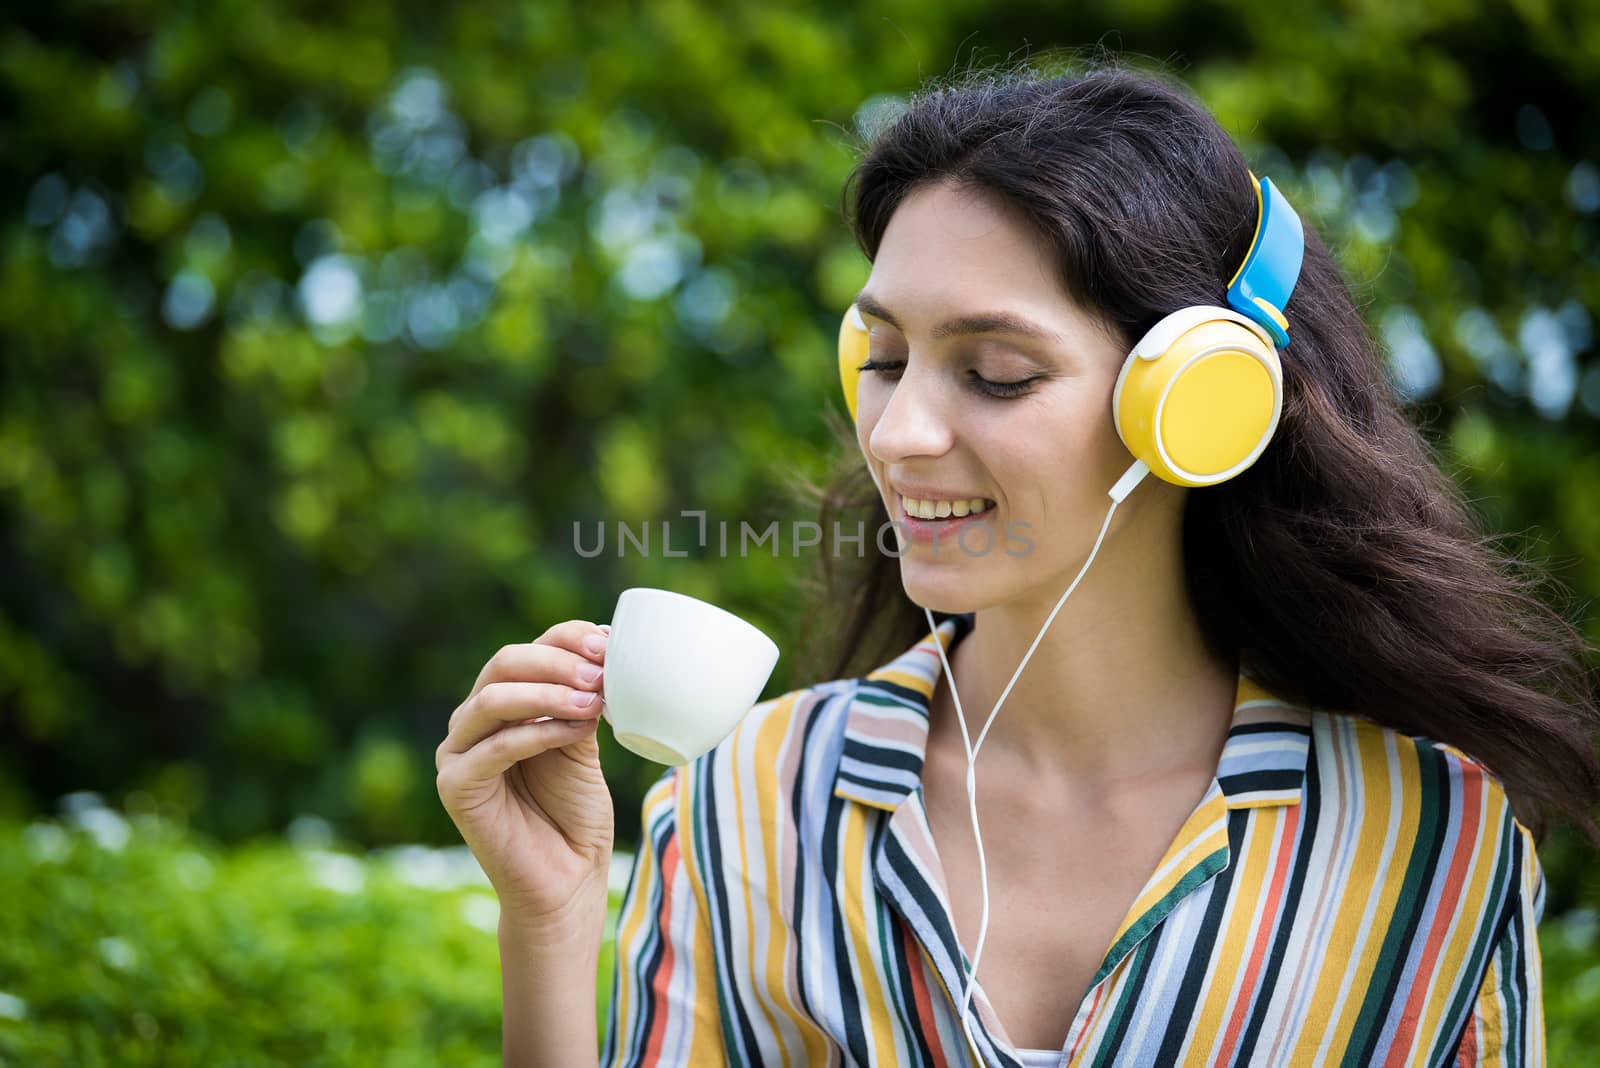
[1344,567]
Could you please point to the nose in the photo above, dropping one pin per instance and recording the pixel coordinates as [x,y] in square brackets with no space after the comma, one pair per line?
[915,421]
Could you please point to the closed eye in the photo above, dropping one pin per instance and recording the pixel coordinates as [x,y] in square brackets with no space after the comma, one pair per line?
[979,383]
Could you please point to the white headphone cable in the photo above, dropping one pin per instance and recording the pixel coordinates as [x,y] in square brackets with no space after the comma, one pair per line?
[1118,493]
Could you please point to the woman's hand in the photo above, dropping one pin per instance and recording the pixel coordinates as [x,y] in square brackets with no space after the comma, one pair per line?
[519,773]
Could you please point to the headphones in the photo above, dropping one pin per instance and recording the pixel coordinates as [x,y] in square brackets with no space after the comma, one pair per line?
[1198,398]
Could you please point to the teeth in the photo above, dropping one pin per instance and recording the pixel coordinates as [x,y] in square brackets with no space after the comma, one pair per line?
[944,509]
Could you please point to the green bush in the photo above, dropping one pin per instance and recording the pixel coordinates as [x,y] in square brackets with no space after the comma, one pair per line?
[1571,952]
[136,942]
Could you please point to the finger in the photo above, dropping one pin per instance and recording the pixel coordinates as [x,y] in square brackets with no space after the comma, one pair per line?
[522,661]
[494,756]
[534,664]
[500,703]
[576,635]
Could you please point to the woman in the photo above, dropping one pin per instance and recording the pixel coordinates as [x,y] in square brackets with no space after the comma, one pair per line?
[1238,810]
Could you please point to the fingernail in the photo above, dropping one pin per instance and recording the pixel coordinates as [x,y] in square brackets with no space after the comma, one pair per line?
[583,700]
[589,672]
[595,643]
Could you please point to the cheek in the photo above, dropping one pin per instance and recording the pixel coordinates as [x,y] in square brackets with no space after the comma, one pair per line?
[1064,466]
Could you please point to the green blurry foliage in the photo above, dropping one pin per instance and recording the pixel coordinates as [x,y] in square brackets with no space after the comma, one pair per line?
[323,329]
[134,942]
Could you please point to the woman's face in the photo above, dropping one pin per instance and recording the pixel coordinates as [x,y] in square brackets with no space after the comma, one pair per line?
[931,427]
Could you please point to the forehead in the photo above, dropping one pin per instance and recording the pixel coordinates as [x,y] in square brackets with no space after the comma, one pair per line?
[951,250]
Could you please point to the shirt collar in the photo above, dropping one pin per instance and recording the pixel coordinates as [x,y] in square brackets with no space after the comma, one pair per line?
[1263,761]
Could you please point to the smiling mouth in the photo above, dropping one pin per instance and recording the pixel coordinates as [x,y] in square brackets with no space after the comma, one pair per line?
[938,511]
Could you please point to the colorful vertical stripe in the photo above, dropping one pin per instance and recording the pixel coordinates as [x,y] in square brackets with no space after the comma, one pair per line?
[1343,893]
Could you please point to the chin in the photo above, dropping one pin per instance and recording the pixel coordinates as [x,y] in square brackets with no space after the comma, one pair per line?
[952,592]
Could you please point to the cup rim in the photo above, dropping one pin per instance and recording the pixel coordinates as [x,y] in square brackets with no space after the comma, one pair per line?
[698,601]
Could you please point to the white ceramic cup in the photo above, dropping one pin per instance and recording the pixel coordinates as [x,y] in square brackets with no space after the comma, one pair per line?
[680,673]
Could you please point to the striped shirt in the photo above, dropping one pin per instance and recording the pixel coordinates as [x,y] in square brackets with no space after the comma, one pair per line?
[1344,893]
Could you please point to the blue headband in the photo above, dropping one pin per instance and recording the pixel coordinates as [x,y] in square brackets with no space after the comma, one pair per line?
[1260,288]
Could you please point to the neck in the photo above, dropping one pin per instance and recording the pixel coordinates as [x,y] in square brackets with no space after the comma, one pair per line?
[1120,688]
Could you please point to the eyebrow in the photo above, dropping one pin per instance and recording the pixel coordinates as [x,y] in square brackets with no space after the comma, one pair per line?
[997,322]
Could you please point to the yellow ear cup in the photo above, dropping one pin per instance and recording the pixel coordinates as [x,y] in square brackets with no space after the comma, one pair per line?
[1198,398]
[853,348]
